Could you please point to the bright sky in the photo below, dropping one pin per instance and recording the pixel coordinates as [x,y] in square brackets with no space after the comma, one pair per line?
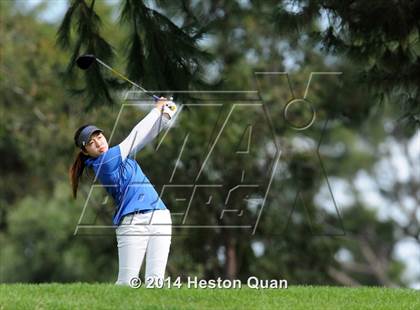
[54,12]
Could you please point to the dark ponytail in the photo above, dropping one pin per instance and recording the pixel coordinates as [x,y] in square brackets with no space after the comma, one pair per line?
[76,170]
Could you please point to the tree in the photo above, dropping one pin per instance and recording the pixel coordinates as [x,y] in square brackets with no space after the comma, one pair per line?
[290,240]
[160,55]
[382,36]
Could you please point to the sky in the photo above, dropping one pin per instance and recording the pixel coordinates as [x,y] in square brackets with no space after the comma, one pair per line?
[54,11]
[406,250]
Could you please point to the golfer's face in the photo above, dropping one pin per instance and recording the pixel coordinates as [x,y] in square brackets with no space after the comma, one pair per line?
[97,145]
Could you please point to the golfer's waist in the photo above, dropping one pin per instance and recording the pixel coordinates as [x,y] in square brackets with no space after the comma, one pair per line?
[143,211]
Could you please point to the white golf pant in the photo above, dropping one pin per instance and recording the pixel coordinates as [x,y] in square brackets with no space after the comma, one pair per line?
[140,234]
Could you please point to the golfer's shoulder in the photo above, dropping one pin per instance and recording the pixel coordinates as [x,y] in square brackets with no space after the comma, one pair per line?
[113,154]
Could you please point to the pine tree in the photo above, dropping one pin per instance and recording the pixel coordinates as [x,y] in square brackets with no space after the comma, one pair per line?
[382,36]
[159,54]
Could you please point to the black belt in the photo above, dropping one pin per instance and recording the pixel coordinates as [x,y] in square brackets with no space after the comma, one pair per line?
[143,211]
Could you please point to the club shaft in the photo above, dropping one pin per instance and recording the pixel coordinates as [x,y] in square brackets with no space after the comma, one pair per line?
[126,79]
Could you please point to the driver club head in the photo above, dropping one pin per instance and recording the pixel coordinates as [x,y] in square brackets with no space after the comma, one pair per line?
[85,61]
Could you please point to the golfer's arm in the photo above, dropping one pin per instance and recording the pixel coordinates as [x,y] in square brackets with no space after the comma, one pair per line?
[144,132]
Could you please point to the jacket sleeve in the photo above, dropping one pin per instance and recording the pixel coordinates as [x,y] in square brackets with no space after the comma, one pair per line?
[144,132]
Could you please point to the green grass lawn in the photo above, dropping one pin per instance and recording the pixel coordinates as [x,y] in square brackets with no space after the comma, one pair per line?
[108,296]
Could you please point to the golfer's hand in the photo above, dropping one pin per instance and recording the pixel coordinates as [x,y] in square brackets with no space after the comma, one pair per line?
[161,102]
[168,107]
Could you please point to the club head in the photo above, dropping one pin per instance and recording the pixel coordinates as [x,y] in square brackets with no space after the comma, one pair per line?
[85,61]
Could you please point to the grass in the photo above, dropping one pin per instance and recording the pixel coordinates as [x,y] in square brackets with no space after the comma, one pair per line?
[108,296]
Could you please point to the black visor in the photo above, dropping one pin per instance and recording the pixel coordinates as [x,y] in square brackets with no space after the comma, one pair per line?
[85,135]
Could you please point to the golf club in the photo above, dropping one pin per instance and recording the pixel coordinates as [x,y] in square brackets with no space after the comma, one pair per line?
[85,61]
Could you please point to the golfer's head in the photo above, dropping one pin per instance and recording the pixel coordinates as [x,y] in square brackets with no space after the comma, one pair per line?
[91,140]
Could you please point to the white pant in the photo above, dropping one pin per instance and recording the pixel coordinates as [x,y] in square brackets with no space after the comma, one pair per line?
[138,234]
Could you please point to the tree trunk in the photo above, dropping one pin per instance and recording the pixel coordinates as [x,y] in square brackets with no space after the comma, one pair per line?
[231,258]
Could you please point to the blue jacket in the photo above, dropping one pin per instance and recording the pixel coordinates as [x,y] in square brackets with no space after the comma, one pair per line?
[122,176]
[125,182]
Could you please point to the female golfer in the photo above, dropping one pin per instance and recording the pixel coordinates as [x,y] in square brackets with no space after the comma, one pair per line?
[142,219]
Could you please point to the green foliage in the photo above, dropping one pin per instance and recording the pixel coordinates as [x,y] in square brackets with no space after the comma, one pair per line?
[41,246]
[159,50]
[38,216]
[89,41]
[160,55]
[383,36]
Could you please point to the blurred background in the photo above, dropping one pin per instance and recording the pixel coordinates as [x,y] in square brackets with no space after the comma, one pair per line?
[334,202]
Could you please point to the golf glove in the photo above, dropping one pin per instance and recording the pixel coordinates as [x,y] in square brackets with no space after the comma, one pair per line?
[170,108]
